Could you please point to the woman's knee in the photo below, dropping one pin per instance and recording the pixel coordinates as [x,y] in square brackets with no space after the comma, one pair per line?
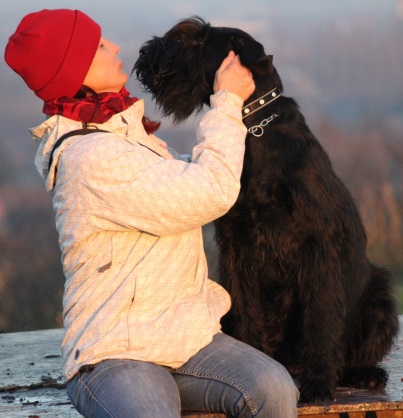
[268,388]
[274,393]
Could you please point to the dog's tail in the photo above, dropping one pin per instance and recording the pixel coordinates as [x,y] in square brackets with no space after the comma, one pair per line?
[376,330]
[378,320]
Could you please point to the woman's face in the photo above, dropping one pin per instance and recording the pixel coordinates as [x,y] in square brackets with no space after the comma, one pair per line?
[106,72]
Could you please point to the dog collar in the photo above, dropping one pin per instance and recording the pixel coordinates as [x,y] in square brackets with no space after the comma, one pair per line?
[258,130]
[261,102]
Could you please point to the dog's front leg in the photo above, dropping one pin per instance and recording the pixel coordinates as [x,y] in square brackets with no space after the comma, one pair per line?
[323,318]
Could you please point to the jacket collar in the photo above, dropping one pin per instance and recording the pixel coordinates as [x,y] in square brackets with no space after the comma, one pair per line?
[127,124]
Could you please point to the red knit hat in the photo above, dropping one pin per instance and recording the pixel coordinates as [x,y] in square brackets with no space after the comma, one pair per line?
[52,50]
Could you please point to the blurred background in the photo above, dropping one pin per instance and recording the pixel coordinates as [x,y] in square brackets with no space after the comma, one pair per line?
[342,61]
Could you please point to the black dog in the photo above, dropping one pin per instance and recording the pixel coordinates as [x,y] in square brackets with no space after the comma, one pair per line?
[292,249]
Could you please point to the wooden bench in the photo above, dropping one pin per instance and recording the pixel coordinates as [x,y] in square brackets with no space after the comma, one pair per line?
[32,385]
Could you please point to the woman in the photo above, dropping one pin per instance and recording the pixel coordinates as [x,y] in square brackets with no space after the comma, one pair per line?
[141,318]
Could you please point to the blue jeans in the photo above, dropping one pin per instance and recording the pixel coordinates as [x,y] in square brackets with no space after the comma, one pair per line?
[225,376]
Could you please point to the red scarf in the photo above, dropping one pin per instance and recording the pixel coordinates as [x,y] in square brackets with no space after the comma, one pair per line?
[97,109]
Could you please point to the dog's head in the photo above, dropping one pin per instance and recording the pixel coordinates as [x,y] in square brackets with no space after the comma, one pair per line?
[178,69]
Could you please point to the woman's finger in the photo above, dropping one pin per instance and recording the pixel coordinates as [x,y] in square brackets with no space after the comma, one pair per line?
[226,62]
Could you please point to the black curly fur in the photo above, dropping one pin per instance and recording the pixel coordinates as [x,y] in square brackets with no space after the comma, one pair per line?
[292,250]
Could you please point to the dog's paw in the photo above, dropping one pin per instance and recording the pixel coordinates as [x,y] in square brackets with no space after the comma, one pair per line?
[373,377]
[315,391]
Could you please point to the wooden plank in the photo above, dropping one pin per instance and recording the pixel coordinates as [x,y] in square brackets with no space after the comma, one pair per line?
[43,402]
[30,358]
[379,414]
[32,384]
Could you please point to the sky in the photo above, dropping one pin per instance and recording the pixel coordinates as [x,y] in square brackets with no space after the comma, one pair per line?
[129,23]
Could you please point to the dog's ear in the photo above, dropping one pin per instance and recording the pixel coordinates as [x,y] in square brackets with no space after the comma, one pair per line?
[263,67]
[252,54]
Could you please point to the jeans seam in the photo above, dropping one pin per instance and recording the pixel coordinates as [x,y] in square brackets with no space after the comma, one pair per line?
[93,397]
[222,379]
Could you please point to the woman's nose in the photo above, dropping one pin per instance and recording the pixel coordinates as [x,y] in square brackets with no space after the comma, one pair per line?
[113,47]
[116,48]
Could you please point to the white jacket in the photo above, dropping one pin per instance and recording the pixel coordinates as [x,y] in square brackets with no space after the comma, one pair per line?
[129,218]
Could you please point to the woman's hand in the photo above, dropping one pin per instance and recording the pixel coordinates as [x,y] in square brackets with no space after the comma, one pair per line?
[233,77]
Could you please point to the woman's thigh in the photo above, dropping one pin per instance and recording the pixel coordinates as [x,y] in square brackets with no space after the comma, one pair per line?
[125,388]
[232,377]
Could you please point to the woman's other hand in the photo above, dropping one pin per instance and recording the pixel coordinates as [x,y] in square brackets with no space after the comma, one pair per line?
[235,78]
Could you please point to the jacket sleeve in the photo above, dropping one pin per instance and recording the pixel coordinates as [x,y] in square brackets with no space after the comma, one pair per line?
[125,186]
